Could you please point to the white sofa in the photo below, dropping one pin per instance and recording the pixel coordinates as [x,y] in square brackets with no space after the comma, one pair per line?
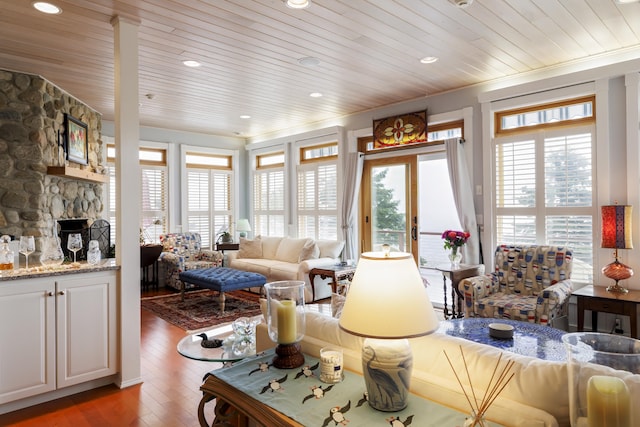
[284,258]
[537,395]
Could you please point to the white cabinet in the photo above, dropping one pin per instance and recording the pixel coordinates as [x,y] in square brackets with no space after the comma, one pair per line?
[27,338]
[56,332]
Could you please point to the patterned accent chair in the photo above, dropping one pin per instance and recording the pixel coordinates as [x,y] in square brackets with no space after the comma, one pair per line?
[182,252]
[530,283]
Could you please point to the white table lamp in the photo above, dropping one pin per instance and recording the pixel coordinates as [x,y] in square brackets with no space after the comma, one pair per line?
[243,226]
[387,303]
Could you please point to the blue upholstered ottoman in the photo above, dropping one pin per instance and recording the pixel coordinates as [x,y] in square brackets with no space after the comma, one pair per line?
[221,279]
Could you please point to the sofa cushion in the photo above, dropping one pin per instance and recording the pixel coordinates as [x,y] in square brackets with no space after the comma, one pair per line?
[281,270]
[330,248]
[250,248]
[270,246]
[256,265]
[309,251]
[289,249]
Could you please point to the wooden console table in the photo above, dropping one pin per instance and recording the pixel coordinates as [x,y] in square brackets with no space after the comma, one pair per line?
[252,392]
[596,299]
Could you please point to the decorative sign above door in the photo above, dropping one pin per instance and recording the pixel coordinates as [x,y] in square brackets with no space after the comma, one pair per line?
[397,131]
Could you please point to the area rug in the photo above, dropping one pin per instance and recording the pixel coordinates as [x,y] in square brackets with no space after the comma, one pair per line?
[201,308]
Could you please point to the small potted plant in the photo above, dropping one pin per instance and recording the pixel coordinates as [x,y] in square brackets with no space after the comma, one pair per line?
[224,237]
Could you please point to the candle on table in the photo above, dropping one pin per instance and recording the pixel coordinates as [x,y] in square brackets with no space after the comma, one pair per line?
[287,322]
[608,402]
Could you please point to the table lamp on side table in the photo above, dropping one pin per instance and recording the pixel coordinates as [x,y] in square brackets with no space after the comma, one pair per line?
[616,234]
[387,303]
[243,226]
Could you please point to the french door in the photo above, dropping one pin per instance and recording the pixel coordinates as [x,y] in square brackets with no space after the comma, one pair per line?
[390,204]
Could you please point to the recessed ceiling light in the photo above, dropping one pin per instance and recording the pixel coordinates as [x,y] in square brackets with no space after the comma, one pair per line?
[298,4]
[429,59]
[315,94]
[626,1]
[309,61]
[45,7]
[245,116]
[191,63]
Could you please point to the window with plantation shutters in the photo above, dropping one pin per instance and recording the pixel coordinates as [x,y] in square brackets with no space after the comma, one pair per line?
[317,210]
[268,201]
[544,185]
[209,195]
[153,191]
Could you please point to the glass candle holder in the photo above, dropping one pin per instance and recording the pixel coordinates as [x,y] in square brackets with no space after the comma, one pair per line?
[604,373]
[286,320]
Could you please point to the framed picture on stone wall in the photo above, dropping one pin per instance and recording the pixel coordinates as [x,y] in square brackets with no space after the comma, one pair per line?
[77,145]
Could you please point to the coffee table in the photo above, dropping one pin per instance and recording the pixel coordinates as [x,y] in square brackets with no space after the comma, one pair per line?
[190,346]
[529,339]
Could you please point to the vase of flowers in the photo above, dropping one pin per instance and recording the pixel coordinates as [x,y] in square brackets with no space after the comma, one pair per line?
[453,240]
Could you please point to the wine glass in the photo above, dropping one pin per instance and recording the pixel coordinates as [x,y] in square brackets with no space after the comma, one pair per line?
[74,244]
[27,247]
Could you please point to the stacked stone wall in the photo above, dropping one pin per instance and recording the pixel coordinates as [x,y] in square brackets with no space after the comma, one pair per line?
[32,123]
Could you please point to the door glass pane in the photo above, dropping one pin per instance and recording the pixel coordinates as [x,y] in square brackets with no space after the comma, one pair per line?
[389,207]
[437,210]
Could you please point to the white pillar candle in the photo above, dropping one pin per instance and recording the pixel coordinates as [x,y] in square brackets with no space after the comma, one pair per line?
[286,322]
[608,402]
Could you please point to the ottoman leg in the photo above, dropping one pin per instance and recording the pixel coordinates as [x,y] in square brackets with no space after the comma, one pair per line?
[222,300]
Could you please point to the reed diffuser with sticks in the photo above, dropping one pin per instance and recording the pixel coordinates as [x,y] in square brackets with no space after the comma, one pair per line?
[479,404]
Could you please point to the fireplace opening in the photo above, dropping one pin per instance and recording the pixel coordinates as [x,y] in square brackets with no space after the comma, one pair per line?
[71,226]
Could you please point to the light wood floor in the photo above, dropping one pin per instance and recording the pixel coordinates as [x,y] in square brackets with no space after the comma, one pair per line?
[169,395]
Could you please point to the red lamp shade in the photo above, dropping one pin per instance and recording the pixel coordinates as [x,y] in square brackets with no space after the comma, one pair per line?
[616,227]
[616,234]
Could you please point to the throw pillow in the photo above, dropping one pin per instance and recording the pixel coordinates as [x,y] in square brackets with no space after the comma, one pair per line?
[270,246]
[330,248]
[309,251]
[250,248]
[289,249]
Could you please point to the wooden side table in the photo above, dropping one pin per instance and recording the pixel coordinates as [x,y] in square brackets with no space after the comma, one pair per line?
[334,272]
[597,299]
[455,275]
[227,247]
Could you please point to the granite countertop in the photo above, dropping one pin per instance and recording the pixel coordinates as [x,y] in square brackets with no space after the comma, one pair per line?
[60,270]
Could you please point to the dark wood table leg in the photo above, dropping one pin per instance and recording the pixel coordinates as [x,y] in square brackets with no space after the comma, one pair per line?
[446,309]
[580,314]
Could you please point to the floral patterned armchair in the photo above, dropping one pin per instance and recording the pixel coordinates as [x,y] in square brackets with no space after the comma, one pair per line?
[530,283]
[182,252]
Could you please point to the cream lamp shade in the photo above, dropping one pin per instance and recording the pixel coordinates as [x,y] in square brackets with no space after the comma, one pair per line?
[387,303]
[242,226]
[387,299]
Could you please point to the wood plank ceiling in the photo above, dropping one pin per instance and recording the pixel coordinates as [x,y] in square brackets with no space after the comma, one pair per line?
[369,53]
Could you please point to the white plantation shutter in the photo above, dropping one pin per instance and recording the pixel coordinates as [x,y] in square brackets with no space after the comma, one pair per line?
[544,191]
[154,201]
[268,202]
[209,204]
[318,200]
[112,202]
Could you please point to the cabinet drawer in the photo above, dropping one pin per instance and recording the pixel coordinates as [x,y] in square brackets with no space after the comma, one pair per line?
[605,305]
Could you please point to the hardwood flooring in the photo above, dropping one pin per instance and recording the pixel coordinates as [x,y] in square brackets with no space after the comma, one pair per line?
[169,395]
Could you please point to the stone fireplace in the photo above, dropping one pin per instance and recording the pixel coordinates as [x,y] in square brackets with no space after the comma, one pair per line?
[32,197]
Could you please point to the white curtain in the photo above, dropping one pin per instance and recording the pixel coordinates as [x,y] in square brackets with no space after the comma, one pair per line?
[352,178]
[463,197]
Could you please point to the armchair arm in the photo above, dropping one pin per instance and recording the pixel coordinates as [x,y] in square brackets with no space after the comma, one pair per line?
[554,297]
[172,260]
[209,255]
[476,287]
[306,265]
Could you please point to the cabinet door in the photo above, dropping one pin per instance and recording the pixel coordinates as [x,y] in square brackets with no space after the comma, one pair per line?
[86,315]
[27,338]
